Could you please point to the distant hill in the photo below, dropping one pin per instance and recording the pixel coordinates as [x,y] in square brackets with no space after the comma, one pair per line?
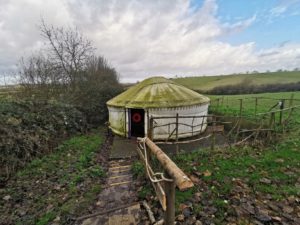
[206,83]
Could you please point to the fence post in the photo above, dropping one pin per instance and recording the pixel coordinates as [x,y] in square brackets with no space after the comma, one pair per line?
[255,110]
[241,106]
[213,138]
[281,112]
[291,100]
[170,200]
[177,146]
[271,124]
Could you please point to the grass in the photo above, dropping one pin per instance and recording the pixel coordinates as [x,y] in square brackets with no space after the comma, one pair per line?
[273,171]
[205,83]
[279,165]
[57,186]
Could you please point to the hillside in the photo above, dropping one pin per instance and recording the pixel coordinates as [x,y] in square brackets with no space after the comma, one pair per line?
[205,83]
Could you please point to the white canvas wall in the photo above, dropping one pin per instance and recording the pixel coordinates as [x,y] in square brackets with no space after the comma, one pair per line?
[162,132]
[118,119]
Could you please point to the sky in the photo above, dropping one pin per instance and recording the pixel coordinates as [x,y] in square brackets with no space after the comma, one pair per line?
[144,38]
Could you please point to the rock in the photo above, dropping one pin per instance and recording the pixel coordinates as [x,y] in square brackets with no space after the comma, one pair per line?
[7,198]
[198,222]
[265,181]
[180,217]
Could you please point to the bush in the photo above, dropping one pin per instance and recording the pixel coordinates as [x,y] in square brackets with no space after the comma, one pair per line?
[30,129]
[245,88]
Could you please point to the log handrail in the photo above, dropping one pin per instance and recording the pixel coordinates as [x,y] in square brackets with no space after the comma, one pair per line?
[181,180]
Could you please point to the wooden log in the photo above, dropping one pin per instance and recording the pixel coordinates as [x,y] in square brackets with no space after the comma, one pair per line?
[150,213]
[182,181]
[169,216]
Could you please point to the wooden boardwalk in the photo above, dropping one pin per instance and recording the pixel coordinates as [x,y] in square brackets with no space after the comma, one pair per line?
[119,193]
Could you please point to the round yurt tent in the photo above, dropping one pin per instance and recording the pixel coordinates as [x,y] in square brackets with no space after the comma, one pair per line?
[130,112]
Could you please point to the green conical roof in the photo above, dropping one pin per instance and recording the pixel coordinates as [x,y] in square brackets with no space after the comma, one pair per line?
[157,92]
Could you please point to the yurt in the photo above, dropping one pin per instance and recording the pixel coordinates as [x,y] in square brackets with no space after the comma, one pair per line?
[130,112]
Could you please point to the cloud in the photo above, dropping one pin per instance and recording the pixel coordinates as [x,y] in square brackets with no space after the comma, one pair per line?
[283,7]
[142,38]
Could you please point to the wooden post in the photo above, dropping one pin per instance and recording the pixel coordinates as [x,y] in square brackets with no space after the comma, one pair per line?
[255,109]
[177,125]
[241,106]
[271,124]
[291,100]
[218,99]
[213,138]
[281,112]
[170,200]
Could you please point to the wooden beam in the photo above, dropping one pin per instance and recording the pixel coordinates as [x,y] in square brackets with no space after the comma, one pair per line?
[182,181]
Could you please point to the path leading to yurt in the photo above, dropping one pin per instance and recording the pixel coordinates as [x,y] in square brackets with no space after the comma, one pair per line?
[118,202]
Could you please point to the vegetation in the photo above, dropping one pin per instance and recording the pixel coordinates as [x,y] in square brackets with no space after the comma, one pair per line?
[253,184]
[243,184]
[56,187]
[230,104]
[207,83]
[31,129]
[67,70]
[269,174]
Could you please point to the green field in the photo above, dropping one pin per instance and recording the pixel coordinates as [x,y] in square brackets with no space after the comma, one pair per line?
[265,102]
[205,83]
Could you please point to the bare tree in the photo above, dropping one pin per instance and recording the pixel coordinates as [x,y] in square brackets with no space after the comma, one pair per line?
[69,50]
[69,71]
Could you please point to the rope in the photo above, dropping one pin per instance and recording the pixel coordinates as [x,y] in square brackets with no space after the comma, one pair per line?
[155,175]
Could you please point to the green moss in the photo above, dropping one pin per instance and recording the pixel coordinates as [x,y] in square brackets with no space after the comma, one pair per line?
[157,92]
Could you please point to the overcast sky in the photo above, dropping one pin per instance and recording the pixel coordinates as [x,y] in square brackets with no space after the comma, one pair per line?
[145,38]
